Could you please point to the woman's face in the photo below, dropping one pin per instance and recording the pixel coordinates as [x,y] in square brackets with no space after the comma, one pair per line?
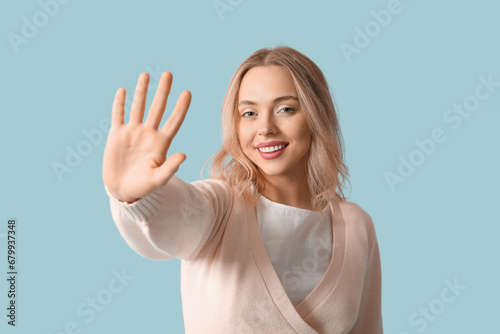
[269,111]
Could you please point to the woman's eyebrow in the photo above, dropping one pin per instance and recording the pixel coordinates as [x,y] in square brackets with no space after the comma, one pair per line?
[276,100]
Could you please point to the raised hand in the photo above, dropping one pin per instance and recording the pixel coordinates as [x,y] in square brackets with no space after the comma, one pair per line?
[135,162]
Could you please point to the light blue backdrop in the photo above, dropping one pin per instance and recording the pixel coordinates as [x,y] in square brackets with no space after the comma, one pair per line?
[400,72]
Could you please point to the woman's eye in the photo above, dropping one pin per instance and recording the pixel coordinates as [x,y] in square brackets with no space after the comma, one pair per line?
[243,115]
[288,108]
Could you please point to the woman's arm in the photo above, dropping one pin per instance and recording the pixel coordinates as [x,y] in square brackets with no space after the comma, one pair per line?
[176,220]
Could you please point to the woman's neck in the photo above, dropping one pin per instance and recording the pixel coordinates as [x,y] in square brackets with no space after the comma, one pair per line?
[289,191]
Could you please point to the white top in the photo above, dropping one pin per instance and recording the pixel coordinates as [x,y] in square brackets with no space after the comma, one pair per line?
[298,243]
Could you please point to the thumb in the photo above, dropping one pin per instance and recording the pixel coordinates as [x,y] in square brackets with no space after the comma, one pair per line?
[163,173]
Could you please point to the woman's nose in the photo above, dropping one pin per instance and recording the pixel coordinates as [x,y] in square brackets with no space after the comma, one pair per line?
[267,124]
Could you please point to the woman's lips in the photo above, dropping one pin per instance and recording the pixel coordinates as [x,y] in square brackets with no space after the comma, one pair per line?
[272,155]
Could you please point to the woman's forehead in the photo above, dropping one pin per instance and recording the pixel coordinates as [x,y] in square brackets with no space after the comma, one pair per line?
[266,83]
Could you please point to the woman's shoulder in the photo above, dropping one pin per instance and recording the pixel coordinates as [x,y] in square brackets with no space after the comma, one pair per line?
[356,219]
[353,209]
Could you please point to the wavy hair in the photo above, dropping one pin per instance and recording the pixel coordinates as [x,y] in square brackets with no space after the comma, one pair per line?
[326,169]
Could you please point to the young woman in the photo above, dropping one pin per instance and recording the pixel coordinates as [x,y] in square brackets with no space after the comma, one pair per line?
[268,244]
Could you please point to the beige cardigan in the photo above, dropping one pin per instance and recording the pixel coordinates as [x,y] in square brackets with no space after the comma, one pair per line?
[228,283]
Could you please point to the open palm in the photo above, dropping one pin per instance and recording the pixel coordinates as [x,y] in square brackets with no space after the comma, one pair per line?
[135,162]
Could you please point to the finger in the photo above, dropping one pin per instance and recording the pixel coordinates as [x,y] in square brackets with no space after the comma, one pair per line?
[139,102]
[160,101]
[175,120]
[163,173]
[118,112]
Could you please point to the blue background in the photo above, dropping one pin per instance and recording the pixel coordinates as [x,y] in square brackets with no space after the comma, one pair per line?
[439,224]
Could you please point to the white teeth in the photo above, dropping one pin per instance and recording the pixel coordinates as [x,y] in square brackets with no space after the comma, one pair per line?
[271,149]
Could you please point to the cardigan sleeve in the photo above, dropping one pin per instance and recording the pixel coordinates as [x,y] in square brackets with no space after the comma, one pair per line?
[370,312]
[176,220]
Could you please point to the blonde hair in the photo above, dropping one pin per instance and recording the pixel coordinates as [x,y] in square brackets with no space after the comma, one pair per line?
[326,169]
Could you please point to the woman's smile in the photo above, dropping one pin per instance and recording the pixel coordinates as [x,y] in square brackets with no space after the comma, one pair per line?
[272,152]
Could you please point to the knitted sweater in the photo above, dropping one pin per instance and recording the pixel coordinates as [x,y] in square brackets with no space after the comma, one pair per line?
[228,283]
